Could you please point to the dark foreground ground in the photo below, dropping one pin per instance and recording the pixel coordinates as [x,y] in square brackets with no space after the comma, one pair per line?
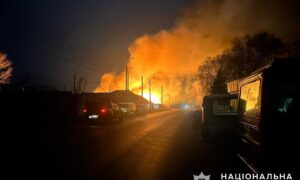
[163,145]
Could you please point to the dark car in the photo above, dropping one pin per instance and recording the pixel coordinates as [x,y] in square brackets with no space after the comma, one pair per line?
[219,117]
[141,109]
[102,111]
[129,108]
[268,114]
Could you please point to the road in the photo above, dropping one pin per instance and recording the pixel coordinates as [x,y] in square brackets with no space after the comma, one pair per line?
[162,145]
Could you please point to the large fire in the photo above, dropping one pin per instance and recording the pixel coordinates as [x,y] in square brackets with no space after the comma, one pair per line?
[155,97]
[170,58]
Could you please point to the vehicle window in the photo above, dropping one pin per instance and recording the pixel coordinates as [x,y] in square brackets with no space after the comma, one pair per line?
[286,108]
[284,104]
[250,100]
[287,99]
[225,107]
[123,105]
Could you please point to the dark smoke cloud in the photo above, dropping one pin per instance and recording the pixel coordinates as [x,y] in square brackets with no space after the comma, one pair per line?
[205,28]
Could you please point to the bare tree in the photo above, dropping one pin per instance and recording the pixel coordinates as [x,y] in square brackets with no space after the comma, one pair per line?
[207,73]
[249,53]
[80,85]
[5,69]
[246,54]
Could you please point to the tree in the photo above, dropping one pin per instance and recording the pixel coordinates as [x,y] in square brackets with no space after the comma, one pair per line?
[80,85]
[249,53]
[246,54]
[5,69]
[207,73]
[263,46]
[219,84]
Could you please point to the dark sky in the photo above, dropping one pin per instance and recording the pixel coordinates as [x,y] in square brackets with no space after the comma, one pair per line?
[49,41]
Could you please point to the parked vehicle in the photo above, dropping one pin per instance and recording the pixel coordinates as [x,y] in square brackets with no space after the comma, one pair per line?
[102,111]
[141,109]
[128,108]
[268,104]
[219,117]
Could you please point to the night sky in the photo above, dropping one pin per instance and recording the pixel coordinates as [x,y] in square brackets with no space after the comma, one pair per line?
[51,40]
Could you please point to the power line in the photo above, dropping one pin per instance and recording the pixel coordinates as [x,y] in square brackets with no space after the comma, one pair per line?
[67,60]
[62,58]
[53,45]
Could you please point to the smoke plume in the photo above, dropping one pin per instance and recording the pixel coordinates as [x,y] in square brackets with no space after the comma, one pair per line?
[170,58]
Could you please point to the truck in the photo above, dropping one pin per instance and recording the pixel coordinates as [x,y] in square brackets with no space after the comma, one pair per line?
[268,105]
[219,116]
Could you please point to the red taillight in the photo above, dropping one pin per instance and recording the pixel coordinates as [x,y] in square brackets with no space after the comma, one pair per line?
[85,110]
[102,110]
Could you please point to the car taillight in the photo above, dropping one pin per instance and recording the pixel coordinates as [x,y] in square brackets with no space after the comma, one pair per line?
[102,110]
[85,110]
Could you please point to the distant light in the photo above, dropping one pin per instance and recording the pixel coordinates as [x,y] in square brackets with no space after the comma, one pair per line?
[156,106]
[93,117]
[185,106]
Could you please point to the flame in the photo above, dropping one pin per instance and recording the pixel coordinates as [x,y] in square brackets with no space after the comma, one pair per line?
[170,58]
[155,97]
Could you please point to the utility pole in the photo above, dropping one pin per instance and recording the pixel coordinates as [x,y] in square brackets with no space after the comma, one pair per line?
[84,85]
[74,84]
[126,78]
[169,100]
[142,83]
[150,94]
[162,95]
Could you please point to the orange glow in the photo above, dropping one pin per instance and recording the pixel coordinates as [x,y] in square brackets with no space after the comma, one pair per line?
[170,58]
[155,97]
